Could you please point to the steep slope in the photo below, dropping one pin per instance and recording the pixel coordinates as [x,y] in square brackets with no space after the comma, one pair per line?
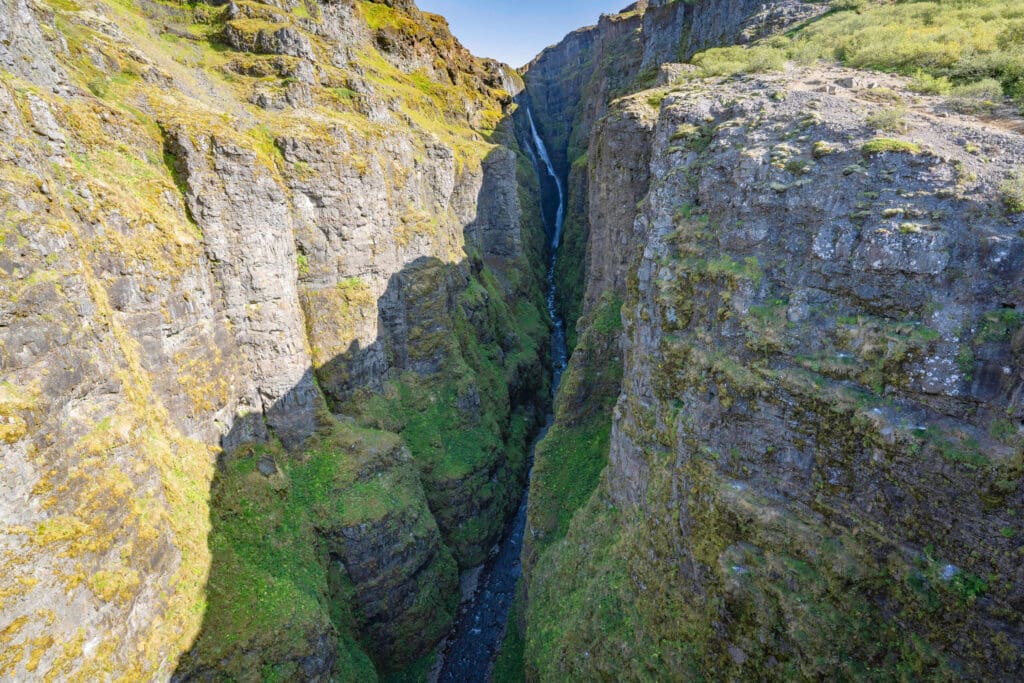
[815,454]
[224,221]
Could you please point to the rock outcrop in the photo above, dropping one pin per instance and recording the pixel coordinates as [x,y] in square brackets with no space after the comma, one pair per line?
[226,224]
[815,456]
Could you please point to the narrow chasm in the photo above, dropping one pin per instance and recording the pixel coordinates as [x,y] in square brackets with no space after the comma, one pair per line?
[476,635]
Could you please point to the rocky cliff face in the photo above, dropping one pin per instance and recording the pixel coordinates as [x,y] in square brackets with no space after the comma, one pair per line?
[807,363]
[223,222]
[815,455]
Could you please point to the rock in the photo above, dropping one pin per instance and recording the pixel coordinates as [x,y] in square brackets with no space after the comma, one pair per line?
[267,466]
[178,290]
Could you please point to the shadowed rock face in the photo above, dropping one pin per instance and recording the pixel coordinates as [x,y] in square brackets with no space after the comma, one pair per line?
[806,358]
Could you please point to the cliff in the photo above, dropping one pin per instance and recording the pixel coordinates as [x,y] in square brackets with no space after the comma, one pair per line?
[814,455]
[238,239]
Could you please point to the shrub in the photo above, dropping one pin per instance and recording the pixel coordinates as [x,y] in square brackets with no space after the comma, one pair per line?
[926,84]
[942,42]
[973,98]
[1012,192]
[1012,35]
[883,145]
[890,119]
[656,100]
[728,61]
[987,88]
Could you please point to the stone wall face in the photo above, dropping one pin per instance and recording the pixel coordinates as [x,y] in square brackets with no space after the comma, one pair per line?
[815,450]
[206,248]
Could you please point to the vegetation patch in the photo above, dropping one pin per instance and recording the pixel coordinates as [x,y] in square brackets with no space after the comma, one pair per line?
[269,602]
[1012,192]
[887,145]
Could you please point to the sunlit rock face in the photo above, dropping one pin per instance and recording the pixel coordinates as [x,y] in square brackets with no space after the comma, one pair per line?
[223,222]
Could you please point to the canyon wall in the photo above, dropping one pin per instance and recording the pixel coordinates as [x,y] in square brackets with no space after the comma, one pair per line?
[814,457]
[272,335]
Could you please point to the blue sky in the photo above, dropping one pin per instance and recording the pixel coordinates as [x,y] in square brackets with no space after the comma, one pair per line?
[514,31]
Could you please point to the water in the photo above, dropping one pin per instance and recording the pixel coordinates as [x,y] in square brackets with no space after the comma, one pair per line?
[558,347]
[476,636]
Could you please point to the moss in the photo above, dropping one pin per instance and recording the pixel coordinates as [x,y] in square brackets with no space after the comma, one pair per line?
[569,460]
[15,403]
[468,425]
[822,149]
[999,326]
[885,145]
[508,665]
[119,584]
[269,602]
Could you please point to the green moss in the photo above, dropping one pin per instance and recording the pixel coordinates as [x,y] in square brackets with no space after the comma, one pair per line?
[570,459]
[725,266]
[508,666]
[378,15]
[417,672]
[468,425]
[570,270]
[999,325]
[268,596]
[885,145]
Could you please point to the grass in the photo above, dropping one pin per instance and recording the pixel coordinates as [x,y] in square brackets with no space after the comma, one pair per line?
[887,145]
[569,461]
[268,596]
[943,45]
[728,61]
[508,666]
[1012,193]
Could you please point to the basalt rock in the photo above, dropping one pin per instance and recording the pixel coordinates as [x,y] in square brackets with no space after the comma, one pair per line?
[816,432]
[815,453]
[222,222]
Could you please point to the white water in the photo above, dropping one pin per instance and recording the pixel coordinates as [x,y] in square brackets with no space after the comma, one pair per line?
[538,142]
[559,353]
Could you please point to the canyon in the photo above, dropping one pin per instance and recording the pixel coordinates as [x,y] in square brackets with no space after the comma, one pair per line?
[330,351]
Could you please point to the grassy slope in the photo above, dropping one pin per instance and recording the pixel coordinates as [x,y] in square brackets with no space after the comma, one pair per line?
[951,46]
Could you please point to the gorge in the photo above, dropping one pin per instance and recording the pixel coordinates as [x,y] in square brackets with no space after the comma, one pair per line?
[692,350]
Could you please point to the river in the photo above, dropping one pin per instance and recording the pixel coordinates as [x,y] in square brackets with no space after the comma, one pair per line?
[473,643]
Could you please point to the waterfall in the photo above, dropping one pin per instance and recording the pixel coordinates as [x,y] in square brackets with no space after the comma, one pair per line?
[559,352]
[542,150]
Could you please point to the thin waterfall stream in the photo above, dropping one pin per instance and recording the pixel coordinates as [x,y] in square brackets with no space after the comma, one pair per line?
[476,636]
